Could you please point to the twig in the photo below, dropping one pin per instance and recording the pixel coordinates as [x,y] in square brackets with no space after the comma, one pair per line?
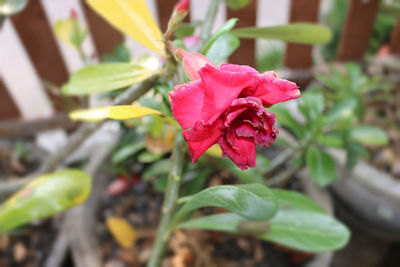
[79,136]
[18,128]
[77,230]
[168,208]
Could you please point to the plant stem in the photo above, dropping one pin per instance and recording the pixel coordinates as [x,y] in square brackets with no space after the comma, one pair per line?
[169,205]
[209,20]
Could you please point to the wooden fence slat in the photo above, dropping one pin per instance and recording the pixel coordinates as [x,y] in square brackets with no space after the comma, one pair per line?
[299,56]
[20,76]
[357,29]
[105,37]
[8,109]
[395,39]
[36,34]
[245,55]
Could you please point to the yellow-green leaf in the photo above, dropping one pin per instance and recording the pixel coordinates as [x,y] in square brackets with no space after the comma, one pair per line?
[133,18]
[106,77]
[45,196]
[63,30]
[215,151]
[122,231]
[122,112]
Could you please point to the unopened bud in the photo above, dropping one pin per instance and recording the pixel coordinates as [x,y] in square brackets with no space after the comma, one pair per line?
[182,6]
[73,14]
[193,62]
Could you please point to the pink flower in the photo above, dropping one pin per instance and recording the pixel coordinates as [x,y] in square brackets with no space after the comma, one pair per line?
[225,105]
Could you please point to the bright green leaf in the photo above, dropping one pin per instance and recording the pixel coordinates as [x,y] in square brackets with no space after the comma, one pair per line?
[222,48]
[311,105]
[253,201]
[321,166]
[237,4]
[123,112]
[132,18]
[304,33]
[127,151]
[342,111]
[368,135]
[45,196]
[224,29]
[285,118]
[105,77]
[299,223]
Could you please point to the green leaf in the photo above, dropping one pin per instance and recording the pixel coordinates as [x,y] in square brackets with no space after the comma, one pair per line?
[237,4]
[331,140]
[222,48]
[120,54]
[285,118]
[45,196]
[127,151]
[157,169]
[253,201]
[148,157]
[299,223]
[105,77]
[321,166]
[368,135]
[251,175]
[184,29]
[341,111]
[353,153]
[224,29]
[303,33]
[312,105]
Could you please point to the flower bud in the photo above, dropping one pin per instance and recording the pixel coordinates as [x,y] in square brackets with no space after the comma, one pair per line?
[182,6]
[193,62]
[73,14]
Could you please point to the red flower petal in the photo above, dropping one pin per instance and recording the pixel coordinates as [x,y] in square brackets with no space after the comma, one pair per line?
[221,88]
[272,90]
[202,136]
[243,154]
[238,68]
[186,103]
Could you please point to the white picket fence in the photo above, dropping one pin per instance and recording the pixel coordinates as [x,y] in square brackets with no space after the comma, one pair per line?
[24,85]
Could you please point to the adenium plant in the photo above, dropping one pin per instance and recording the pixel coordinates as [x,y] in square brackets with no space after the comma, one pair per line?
[223,104]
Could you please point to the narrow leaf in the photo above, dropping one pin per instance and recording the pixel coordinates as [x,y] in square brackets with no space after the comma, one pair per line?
[224,29]
[122,112]
[303,33]
[45,196]
[132,18]
[222,48]
[105,77]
